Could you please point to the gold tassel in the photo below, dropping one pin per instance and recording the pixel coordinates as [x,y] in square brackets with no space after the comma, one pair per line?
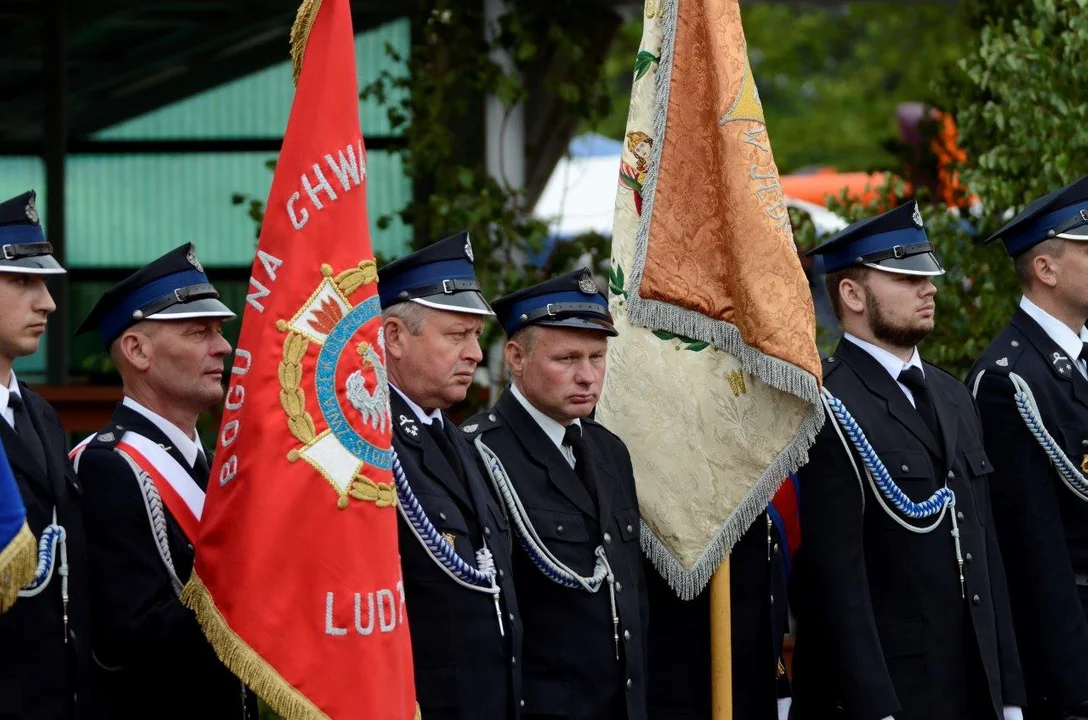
[300,34]
[18,563]
[243,661]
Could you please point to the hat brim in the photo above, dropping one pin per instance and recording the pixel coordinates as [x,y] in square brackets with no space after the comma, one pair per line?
[470,302]
[921,264]
[580,323]
[36,265]
[203,308]
[1077,234]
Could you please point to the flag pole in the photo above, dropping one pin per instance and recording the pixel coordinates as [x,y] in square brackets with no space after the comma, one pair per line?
[721,644]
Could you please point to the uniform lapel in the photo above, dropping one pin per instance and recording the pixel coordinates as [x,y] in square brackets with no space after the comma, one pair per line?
[881,384]
[22,460]
[1052,354]
[947,414]
[607,479]
[126,418]
[410,431]
[540,449]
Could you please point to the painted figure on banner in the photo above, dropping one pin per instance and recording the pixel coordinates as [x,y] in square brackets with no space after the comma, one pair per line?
[455,541]
[144,476]
[898,586]
[1031,385]
[46,664]
[567,485]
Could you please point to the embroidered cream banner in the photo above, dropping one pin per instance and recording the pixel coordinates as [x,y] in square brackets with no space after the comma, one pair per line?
[713,380]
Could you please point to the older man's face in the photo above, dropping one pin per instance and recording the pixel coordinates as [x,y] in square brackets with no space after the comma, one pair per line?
[434,366]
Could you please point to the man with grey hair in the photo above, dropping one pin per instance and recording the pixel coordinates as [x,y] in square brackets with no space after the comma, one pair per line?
[454,541]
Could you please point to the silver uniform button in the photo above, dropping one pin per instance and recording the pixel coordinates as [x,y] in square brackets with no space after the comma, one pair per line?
[630,529]
[626,634]
[487,531]
[629,684]
[619,587]
[441,516]
[607,538]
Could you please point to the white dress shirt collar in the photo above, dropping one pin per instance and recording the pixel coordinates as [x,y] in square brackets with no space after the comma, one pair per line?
[423,416]
[892,364]
[5,394]
[189,447]
[552,428]
[1057,331]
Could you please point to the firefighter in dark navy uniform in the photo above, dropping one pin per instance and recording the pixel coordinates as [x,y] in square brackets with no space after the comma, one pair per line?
[45,636]
[570,492]
[1040,494]
[455,544]
[900,596]
[162,325]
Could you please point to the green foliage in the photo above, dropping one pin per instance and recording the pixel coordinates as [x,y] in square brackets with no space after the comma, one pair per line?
[445,79]
[1021,99]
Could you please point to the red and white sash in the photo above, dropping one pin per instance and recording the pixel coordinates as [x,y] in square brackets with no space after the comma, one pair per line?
[180,494]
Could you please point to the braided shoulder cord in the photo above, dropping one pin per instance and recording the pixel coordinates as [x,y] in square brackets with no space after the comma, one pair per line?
[52,537]
[884,487]
[156,516]
[1028,408]
[543,558]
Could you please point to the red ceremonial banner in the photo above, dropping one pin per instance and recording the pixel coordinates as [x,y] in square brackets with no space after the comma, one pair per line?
[297,581]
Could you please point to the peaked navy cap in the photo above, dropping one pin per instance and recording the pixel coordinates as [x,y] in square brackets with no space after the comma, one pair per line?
[894,242]
[440,276]
[1061,214]
[572,301]
[170,287]
[23,248]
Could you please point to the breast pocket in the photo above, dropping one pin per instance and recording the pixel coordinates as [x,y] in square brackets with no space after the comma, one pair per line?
[450,524]
[628,524]
[978,469]
[913,472]
[1074,442]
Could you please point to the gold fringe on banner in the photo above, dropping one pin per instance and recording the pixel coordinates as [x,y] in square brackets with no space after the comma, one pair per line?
[243,661]
[300,34]
[18,563]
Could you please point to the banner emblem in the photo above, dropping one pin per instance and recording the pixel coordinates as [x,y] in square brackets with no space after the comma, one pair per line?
[324,351]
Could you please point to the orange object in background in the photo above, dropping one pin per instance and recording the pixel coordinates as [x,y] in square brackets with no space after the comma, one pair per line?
[823,184]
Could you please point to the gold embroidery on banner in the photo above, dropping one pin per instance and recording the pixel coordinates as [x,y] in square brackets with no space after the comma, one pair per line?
[736,382]
[322,317]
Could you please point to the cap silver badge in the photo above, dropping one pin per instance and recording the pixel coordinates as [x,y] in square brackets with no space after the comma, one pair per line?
[191,257]
[586,283]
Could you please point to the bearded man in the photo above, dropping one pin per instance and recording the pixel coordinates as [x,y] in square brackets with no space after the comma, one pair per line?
[899,592]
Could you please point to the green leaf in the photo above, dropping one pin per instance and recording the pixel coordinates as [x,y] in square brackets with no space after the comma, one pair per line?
[643,62]
[664,335]
[697,346]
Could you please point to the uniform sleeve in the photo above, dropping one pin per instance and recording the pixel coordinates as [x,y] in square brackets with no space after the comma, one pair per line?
[835,581]
[1029,527]
[136,613]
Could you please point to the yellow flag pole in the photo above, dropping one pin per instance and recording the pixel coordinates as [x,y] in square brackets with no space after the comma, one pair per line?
[721,644]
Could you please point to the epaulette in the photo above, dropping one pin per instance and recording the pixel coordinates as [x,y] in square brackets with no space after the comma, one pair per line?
[999,359]
[480,423]
[830,365]
[107,438]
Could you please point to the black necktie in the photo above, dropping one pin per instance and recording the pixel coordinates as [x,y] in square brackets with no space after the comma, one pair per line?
[437,431]
[583,464]
[25,429]
[915,381]
[202,470]
[1084,352]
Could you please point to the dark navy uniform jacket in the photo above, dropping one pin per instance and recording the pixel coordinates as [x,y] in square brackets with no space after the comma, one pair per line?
[151,657]
[882,628]
[1041,523]
[464,668]
[571,669]
[679,637]
[41,674]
